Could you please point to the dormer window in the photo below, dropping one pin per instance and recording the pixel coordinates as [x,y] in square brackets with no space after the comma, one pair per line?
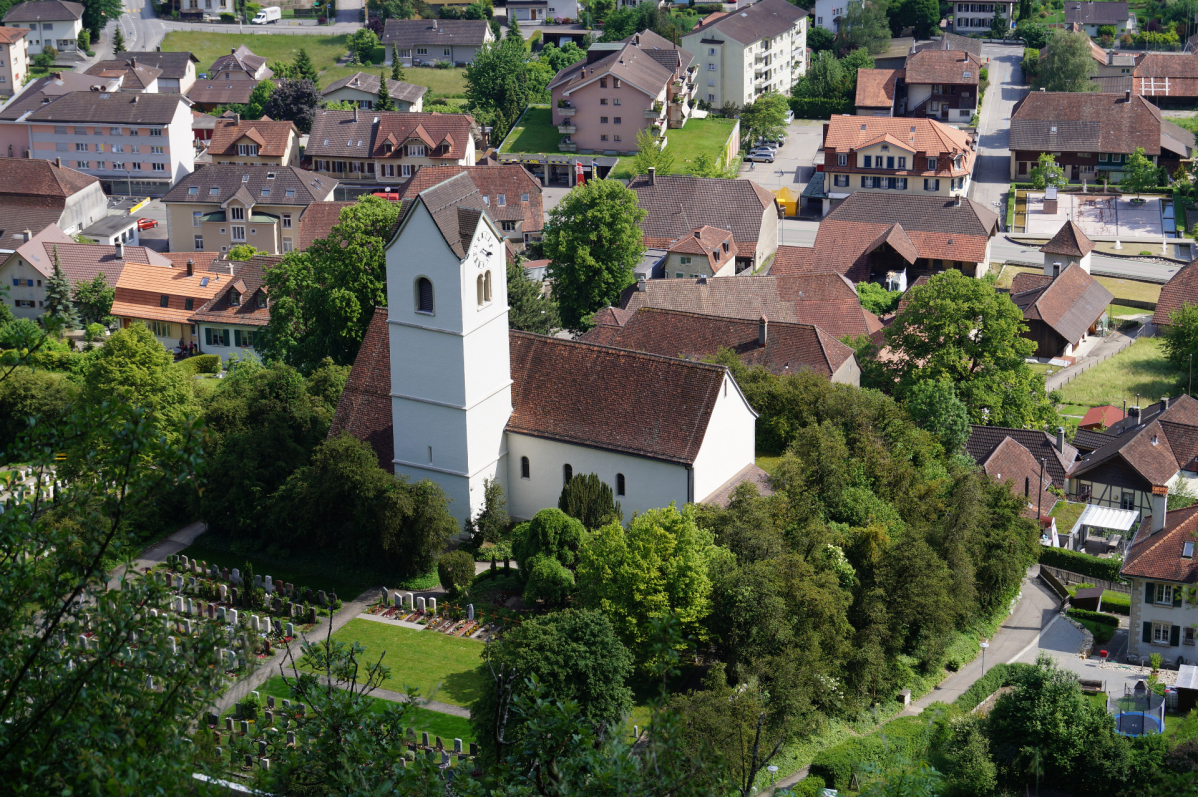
[245,178]
[931,164]
[261,299]
[235,298]
[246,150]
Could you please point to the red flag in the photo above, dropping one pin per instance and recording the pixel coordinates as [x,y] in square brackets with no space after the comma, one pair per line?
[578,173]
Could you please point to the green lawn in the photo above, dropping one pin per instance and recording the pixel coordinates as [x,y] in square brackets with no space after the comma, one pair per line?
[1067,513]
[1121,288]
[442,81]
[346,590]
[1140,368]
[441,667]
[1118,310]
[447,726]
[767,463]
[535,132]
[324,50]
[1101,631]
[1073,409]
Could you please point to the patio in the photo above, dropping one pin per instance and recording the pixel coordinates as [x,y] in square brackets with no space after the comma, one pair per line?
[1099,216]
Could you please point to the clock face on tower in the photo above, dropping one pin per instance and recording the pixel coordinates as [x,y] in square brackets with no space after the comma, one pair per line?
[483,251]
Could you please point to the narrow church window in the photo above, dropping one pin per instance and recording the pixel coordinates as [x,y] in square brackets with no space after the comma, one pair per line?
[524,467]
[424,296]
[567,473]
[478,289]
[487,286]
[430,455]
[619,484]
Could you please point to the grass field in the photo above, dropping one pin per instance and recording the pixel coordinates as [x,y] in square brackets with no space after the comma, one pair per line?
[442,81]
[536,132]
[767,463]
[1140,368]
[1073,409]
[324,50]
[441,667]
[345,590]
[447,726]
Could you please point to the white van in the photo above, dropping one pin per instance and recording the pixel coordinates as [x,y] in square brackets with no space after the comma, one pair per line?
[270,14]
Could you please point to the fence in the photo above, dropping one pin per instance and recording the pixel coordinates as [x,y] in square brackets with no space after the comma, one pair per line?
[1086,366]
[1068,577]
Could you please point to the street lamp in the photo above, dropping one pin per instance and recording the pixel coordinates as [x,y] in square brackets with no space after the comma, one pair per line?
[773,770]
[984,646]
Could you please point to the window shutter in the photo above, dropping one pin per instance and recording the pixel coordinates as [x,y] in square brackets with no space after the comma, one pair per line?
[1147,632]
[1175,636]
[1149,592]
[207,336]
[1176,597]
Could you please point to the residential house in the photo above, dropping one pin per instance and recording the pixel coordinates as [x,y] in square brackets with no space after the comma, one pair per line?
[1058,456]
[318,221]
[708,252]
[141,140]
[894,240]
[1150,451]
[14,60]
[1169,80]
[231,79]
[512,196]
[362,89]
[1010,462]
[164,299]
[1092,135]
[827,300]
[386,147]
[482,402]
[1059,311]
[942,84]
[51,23]
[264,142]
[745,53]
[28,268]
[1089,16]
[1181,289]
[424,42]
[828,14]
[219,207]
[878,91]
[601,103]
[177,69]
[779,347]
[541,12]
[1159,566]
[919,157]
[677,205]
[14,138]
[1112,69]
[979,17]
[1097,419]
[135,78]
[951,41]
[230,323]
[35,194]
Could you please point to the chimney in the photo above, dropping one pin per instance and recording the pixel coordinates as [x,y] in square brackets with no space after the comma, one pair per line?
[58,162]
[957,200]
[1110,57]
[1164,403]
[698,234]
[1160,506]
[26,235]
[355,113]
[120,251]
[232,51]
[652,175]
[1134,413]
[640,284]
[236,118]
[1127,95]
[1042,88]
[191,267]
[1061,439]
[158,48]
[762,330]
[133,62]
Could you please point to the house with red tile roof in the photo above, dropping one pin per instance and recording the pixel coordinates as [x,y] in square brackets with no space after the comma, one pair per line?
[1159,565]
[708,252]
[1060,311]
[877,90]
[512,194]
[262,142]
[164,299]
[1181,289]
[230,323]
[477,401]
[1099,418]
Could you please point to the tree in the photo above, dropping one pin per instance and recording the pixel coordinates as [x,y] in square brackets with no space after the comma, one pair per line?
[32,394]
[397,72]
[283,70]
[497,83]
[560,58]
[551,532]
[865,25]
[243,252]
[362,44]
[1068,63]
[304,68]
[651,153]
[385,103]
[966,763]
[1140,174]
[259,99]
[922,16]
[592,239]
[1048,172]
[93,299]
[705,166]
[97,14]
[877,299]
[999,25]
[820,39]
[294,101]
[574,656]
[455,571]
[1034,34]
[765,117]
[118,42]
[590,501]
[58,297]
[513,30]
[825,77]
[657,567]
[529,308]
[492,522]
[1181,336]
[322,299]
[935,407]
[960,329]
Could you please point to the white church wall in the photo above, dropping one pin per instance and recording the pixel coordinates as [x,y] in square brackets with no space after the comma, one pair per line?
[421,251]
[648,483]
[728,444]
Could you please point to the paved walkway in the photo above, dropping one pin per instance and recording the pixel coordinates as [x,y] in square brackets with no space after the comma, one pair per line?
[156,554]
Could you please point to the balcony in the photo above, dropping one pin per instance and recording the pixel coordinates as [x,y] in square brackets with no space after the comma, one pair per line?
[654,112]
[565,145]
[566,110]
[567,128]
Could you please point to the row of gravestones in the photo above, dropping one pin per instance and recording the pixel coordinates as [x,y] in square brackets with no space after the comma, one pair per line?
[187,605]
[260,624]
[401,600]
[266,583]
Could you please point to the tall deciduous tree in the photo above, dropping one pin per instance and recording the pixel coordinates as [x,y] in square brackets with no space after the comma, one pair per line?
[323,298]
[935,407]
[1140,174]
[1068,63]
[294,101]
[1181,335]
[960,329]
[97,14]
[497,84]
[529,308]
[865,24]
[922,16]
[593,239]
[765,117]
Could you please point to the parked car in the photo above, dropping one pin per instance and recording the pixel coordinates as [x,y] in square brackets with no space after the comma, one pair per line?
[760,156]
[146,224]
[762,145]
[267,15]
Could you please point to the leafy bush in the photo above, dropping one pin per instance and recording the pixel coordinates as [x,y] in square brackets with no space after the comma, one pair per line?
[877,299]
[1116,602]
[1086,565]
[200,364]
[455,570]
[996,677]
[1094,617]
[548,580]
[906,737]
[93,332]
[820,107]
[810,786]
[228,19]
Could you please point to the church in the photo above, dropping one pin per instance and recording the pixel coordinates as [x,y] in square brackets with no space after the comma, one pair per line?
[442,389]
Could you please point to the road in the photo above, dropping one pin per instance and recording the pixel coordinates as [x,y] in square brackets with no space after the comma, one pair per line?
[991,174]
[1005,249]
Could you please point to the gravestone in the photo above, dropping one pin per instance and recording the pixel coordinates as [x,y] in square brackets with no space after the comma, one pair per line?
[457,746]
[261,747]
[398,601]
[188,623]
[224,574]
[212,611]
[235,576]
[410,600]
[269,585]
[183,560]
[299,709]
[204,565]
[221,613]
[270,701]
[191,582]
[265,762]
[257,697]
[224,592]
[235,594]
[420,605]
[191,607]
[432,605]
[178,582]
[233,616]
[245,727]
[150,682]
[290,630]
[473,749]
[173,645]
[321,597]
[286,703]
[255,625]
[311,614]
[153,612]
[470,612]
[219,752]
[249,761]
[290,738]
[444,758]
[229,724]
[257,580]
[439,745]
[424,738]
[295,610]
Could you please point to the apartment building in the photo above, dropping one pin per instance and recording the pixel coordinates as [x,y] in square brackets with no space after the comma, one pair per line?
[51,23]
[263,143]
[14,139]
[14,59]
[369,148]
[221,206]
[601,103]
[978,17]
[743,54]
[135,143]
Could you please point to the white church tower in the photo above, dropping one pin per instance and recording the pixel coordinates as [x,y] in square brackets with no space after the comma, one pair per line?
[451,393]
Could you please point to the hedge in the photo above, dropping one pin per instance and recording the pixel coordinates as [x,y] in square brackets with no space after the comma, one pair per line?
[810,786]
[1094,617]
[1083,563]
[820,107]
[1116,602]
[201,364]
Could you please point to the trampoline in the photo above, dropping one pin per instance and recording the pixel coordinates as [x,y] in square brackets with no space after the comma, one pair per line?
[1139,712]
[1136,723]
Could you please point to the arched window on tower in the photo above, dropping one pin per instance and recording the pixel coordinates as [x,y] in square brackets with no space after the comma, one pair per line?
[424,296]
[619,484]
[524,467]
[487,287]
[478,289]
[567,473]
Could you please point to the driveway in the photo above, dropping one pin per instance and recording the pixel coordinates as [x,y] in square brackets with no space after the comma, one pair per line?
[991,174]
[792,165]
